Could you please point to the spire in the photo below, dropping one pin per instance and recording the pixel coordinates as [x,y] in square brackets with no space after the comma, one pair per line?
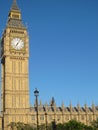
[14,5]
[14,17]
[53,102]
[62,106]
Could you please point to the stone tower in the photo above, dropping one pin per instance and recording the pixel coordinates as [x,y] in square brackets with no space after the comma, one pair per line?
[14,61]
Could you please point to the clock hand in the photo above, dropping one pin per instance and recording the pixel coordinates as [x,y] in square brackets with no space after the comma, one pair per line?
[17,42]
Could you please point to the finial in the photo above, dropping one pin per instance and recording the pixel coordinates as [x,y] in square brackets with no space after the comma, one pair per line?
[70,106]
[46,106]
[62,106]
[14,5]
[78,106]
[93,106]
[53,102]
[85,105]
[40,102]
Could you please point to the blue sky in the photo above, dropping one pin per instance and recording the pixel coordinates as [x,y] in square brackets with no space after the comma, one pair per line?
[63,48]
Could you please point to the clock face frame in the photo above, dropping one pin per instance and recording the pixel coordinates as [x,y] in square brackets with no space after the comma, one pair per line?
[17,43]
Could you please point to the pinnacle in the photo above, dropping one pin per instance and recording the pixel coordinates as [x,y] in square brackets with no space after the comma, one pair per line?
[14,5]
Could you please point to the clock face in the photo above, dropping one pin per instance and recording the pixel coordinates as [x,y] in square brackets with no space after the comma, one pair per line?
[17,43]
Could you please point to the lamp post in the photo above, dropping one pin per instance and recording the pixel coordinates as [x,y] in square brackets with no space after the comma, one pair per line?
[46,119]
[36,94]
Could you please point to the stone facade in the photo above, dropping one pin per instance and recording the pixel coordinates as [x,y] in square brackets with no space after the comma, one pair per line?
[1,122]
[50,112]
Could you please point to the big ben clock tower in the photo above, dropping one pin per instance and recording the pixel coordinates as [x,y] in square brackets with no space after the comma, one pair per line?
[14,61]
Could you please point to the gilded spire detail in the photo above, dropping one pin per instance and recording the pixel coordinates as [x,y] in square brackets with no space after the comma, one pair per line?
[14,5]
[14,17]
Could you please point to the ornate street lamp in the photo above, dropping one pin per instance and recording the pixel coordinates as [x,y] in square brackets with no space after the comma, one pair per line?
[36,94]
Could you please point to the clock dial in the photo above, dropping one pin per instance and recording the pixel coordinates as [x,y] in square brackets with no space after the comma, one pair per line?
[17,43]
